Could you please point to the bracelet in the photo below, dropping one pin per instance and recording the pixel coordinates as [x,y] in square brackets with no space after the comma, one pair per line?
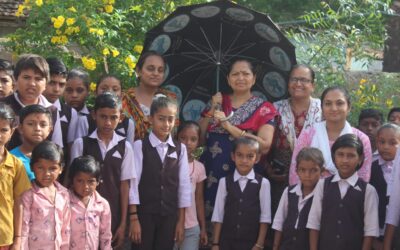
[133,213]
[243,132]
[259,246]
[134,219]
[215,244]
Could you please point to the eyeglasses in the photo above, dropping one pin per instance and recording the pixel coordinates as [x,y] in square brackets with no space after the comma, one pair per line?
[300,80]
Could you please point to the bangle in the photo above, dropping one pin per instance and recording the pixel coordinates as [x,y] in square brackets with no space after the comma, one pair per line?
[259,246]
[215,244]
[133,213]
[134,219]
[243,132]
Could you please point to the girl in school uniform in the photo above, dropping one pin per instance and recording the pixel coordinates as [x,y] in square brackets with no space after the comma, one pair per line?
[46,211]
[344,212]
[164,183]
[292,214]
[90,213]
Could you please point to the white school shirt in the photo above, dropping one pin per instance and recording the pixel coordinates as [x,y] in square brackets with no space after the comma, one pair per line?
[83,129]
[393,211]
[185,186]
[265,196]
[283,208]
[57,132]
[371,221]
[72,124]
[128,166]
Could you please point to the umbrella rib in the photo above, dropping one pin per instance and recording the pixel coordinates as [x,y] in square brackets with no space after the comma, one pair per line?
[244,47]
[190,68]
[208,41]
[199,49]
[233,41]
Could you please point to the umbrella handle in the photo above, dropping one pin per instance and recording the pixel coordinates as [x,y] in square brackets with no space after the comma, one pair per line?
[227,118]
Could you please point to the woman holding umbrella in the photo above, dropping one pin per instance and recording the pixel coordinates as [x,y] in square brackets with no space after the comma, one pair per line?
[136,102]
[229,117]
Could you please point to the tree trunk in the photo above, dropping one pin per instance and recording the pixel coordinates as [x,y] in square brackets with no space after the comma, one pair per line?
[391,58]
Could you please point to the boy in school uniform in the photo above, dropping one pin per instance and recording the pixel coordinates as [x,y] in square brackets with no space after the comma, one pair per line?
[369,122]
[31,74]
[292,215]
[6,78]
[344,212]
[242,210]
[115,155]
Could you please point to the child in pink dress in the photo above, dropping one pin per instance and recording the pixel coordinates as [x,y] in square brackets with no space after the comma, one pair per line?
[46,212]
[90,213]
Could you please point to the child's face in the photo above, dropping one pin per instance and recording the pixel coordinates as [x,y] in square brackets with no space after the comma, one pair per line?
[109,84]
[395,118]
[35,128]
[6,84]
[335,107]
[46,172]
[387,143]
[347,160]
[30,85]
[5,132]
[369,126]
[190,137]
[107,120]
[55,88]
[245,156]
[75,93]
[163,121]
[309,173]
[84,184]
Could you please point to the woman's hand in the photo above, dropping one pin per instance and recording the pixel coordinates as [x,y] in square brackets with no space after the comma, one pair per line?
[216,101]
[219,116]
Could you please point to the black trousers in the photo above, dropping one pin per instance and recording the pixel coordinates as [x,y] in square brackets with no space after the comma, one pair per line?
[158,232]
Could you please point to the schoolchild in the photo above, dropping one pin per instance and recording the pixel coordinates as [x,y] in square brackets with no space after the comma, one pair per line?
[195,224]
[292,215]
[242,210]
[344,212]
[31,74]
[46,211]
[6,78]
[369,122]
[90,213]
[125,128]
[77,90]
[115,155]
[13,182]
[163,180]
[394,116]
[35,125]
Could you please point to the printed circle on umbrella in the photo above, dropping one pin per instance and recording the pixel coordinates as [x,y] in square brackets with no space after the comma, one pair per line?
[266,32]
[259,94]
[161,44]
[205,11]
[239,14]
[177,23]
[176,90]
[280,58]
[192,110]
[274,84]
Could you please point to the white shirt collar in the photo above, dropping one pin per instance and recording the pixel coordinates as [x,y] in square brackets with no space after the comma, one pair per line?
[352,180]
[84,110]
[251,175]
[297,190]
[115,139]
[42,101]
[57,104]
[381,162]
[154,141]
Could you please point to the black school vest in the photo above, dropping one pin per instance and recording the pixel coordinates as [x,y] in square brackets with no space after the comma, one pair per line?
[342,220]
[296,239]
[379,182]
[242,210]
[110,177]
[159,182]
[121,129]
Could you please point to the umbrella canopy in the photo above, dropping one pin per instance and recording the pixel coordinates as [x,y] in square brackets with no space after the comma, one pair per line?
[199,42]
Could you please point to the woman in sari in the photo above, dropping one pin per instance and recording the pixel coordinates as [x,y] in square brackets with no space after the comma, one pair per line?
[252,117]
[336,105]
[136,101]
[297,113]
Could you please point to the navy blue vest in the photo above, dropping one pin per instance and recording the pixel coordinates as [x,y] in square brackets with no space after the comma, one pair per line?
[378,181]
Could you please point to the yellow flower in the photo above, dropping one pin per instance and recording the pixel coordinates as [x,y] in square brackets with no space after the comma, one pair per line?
[89,63]
[389,103]
[106,52]
[58,22]
[108,8]
[115,52]
[72,9]
[92,87]
[58,32]
[111,1]
[39,2]
[59,39]
[20,10]
[26,2]
[70,21]
[99,32]
[373,89]
[362,81]
[55,39]
[359,92]
[129,61]
[63,39]
[72,30]
[138,48]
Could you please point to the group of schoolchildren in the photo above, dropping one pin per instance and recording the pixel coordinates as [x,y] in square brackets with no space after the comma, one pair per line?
[151,190]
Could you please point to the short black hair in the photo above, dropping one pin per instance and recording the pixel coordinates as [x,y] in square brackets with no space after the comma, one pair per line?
[145,55]
[105,76]
[298,66]
[7,67]
[243,140]
[57,66]
[311,154]
[7,113]
[107,100]
[393,110]
[187,124]
[47,150]
[34,62]
[389,125]
[333,88]
[348,141]
[161,101]
[34,109]
[81,74]
[371,113]
[86,164]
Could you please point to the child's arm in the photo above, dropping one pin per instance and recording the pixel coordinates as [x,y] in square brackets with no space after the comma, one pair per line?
[135,231]
[26,201]
[371,219]
[367,242]
[17,224]
[180,226]
[277,240]
[389,234]
[124,196]
[216,235]
[199,196]
[280,217]
[314,237]
[105,234]
[262,232]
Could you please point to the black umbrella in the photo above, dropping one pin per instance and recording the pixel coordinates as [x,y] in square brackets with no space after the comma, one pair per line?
[200,41]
